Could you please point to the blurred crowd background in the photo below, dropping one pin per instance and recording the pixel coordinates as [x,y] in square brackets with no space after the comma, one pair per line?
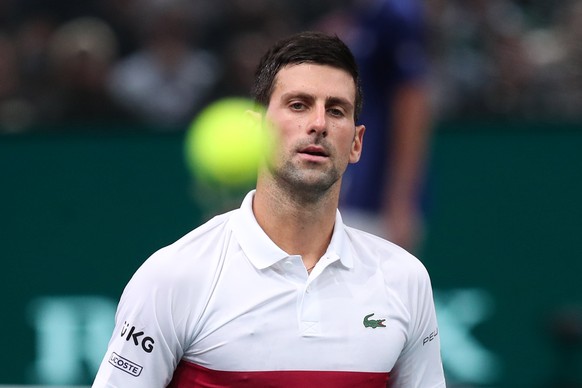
[159,61]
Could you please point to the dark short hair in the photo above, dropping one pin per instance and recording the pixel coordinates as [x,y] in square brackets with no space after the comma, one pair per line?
[305,47]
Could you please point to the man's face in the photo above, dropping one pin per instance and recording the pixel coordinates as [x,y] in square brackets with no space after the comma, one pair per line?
[312,111]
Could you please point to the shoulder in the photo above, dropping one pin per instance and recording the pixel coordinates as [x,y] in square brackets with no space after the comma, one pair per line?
[404,277]
[167,294]
[188,260]
[398,264]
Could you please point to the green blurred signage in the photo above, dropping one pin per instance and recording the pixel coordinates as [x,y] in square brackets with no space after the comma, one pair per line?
[80,212]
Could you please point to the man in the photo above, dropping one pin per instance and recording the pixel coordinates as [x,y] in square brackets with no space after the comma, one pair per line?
[385,192]
[280,293]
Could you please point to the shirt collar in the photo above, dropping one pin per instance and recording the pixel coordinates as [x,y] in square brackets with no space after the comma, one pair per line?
[263,252]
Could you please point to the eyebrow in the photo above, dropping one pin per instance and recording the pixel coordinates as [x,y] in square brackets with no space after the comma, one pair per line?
[340,101]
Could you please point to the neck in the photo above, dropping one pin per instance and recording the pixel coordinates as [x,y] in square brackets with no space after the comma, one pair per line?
[297,225]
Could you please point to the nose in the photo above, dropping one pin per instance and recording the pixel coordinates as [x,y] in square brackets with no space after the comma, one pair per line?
[318,122]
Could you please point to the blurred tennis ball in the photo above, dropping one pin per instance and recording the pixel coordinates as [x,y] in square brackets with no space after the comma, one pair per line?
[225,143]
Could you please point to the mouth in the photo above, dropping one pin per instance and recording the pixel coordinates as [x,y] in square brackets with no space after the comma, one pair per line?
[314,151]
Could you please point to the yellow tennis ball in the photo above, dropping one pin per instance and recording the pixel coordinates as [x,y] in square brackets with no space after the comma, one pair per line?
[225,142]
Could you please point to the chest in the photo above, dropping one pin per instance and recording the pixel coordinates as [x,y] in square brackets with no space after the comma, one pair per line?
[279,318]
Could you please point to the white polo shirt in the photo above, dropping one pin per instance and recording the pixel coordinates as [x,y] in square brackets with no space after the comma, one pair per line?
[225,307]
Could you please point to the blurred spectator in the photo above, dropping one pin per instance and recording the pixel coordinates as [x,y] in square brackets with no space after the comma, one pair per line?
[32,37]
[252,27]
[507,93]
[383,192]
[480,67]
[500,58]
[240,58]
[121,16]
[15,111]
[81,53]
[168,79]
[557,54]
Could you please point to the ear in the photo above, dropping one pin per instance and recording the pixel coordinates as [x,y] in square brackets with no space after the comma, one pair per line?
[253,116]
[357,144]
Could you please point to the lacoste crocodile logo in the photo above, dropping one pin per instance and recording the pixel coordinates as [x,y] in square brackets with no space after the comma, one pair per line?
[373,323]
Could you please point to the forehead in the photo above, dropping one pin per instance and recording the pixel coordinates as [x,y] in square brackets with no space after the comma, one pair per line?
[324,80]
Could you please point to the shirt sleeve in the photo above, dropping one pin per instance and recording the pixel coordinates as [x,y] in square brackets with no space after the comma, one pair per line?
[146,345]
[420,364]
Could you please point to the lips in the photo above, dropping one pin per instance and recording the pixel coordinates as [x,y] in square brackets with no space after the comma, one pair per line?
[314,150]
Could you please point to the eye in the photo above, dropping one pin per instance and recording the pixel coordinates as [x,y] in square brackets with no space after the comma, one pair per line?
[297,106]
[336,112]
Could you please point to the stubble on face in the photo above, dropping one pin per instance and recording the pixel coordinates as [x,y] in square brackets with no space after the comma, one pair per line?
[302,180]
